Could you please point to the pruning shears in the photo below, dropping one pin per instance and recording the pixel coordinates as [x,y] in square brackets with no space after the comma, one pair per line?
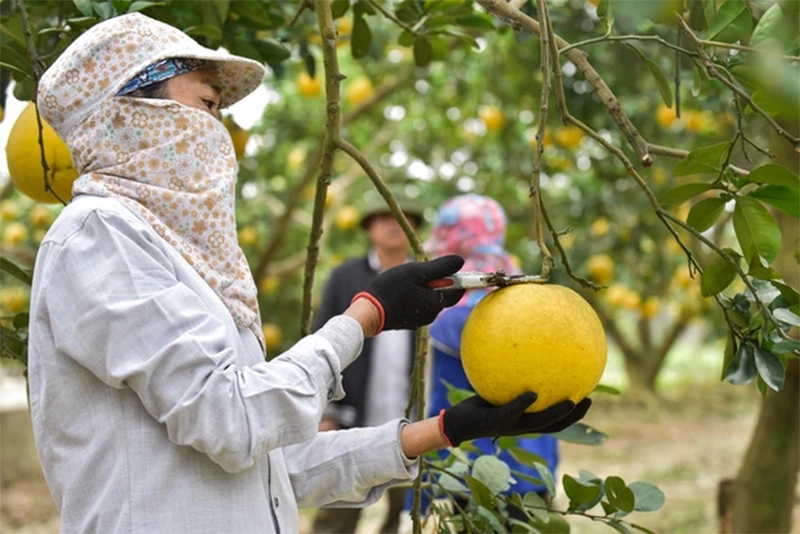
[477,279]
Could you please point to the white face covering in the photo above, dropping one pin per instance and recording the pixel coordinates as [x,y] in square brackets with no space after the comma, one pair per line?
[174,165]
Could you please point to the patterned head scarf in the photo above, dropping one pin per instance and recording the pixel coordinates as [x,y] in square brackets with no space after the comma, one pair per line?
[474,227]
[161,71]
[173,164]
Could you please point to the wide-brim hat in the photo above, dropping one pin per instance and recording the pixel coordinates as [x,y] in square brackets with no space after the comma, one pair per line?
[375,204]
[102,60]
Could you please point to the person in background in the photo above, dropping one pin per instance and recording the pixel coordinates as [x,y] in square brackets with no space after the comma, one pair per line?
[377,383]
[474,227]
[154,408]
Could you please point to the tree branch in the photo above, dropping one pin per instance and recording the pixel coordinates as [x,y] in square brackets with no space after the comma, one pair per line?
[520,21]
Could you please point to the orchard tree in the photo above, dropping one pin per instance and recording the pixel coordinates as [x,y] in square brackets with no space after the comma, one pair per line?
[646,153]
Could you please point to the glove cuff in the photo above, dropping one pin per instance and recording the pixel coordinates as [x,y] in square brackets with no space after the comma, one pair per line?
[441,428]
[377,304]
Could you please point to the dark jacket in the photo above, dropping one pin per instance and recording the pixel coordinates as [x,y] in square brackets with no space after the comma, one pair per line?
[345,281]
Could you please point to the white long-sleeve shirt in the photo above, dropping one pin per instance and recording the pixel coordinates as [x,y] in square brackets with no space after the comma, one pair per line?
[153,412]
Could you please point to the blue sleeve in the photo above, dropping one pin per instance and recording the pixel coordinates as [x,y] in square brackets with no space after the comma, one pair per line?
[446,366]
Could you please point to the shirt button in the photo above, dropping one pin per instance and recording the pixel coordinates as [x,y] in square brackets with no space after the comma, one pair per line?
[330,394]
[275,500]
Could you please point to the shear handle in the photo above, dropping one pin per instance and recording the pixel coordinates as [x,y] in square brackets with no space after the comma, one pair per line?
[471,280]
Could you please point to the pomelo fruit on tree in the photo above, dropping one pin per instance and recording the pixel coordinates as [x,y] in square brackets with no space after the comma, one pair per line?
[543,338]
[25,161]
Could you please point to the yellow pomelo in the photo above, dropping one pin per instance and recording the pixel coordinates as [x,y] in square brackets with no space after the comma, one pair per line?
[25,161]
[543,338]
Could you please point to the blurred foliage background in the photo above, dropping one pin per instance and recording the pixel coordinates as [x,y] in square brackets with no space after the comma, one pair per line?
[444,98]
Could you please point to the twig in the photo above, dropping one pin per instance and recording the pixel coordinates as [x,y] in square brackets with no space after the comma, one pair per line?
[732,261]
[606,38]
[714,73]
[38,69]
[332,129]
[520,21]
[535,191]
[385,192]
[733,46]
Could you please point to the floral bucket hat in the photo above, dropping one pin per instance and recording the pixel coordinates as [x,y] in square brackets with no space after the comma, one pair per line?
[99,63]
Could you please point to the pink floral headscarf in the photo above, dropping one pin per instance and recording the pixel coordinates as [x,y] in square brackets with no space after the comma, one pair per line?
[474,227]
[173,164]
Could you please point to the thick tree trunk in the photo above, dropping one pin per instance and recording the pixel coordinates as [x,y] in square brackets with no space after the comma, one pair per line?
[762,498]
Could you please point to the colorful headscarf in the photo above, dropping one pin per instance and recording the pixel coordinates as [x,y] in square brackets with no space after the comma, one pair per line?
[474,227]
[160,71]
[173,164]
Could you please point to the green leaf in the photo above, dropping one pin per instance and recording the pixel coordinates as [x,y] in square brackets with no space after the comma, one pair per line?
[742,368]
[758,269]
[786,346]
[728,354]
[104,11]
[487,515]
[619,495]
[731,23]
[552,524]
[787,316]
[718,274]
[705,213]
[482,494]
[451,483]
[524,456]
[756,229]
[710,159]
[697,15]
[770,368]
[582,495]
[672,198]
[700,78]
[587,476]
[339,8]
[533,503]
[767,26]
[456,395]
[605,388]
[649,497]
[271,51]
[85,7]
[205,30]
[423,51]
[662,82]
[547,476]
[785,199]
[773,174]
[476,21]
[21,321]
[8,266]
[492,472]
[582,434]
[617,525]
[788,292]
[135,7]
[361,38]
[406,39]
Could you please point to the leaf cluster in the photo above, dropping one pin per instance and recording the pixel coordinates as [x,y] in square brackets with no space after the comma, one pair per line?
[14,329]
[473,495]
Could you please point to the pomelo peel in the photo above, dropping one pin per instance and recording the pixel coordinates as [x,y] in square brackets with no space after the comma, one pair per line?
[543,338]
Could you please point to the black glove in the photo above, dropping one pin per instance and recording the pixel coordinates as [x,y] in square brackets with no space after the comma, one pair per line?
[403,297]
[476,418]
